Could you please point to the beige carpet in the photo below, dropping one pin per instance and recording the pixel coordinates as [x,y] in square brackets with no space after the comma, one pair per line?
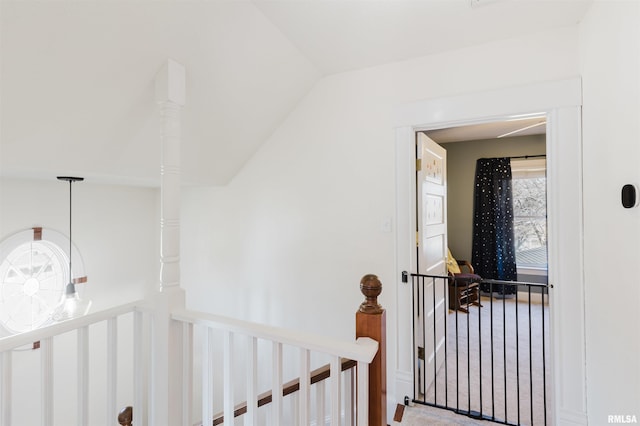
[501,398]
[420,415]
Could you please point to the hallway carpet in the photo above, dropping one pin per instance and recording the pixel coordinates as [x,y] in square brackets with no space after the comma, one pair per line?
[420,415]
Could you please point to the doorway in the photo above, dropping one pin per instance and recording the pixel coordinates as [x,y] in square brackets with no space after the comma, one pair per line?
[523,142]
[493,363]
[560,102]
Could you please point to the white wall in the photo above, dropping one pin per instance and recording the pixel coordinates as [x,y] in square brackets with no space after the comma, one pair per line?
[116,230]
[610,63]
[287,241]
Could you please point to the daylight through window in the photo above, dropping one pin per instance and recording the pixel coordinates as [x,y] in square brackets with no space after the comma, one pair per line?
[530,212]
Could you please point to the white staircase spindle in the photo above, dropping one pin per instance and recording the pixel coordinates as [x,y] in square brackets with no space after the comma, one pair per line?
[295,407]
[335,390]
[46,377]
[207,376]
[229,418]
[276,414]
[349,395]
[139,370]
[112,368]
[252,382]
[363,393]
[305,386]
[187,373]
[5,388]
[82,388]
[320,403]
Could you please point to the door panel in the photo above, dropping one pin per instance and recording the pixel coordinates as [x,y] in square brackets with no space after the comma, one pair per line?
[431,186]
[434,252]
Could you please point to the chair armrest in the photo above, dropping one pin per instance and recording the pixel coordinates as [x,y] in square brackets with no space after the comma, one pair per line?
[467,264]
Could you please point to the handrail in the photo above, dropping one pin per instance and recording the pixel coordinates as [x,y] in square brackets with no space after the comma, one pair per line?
[288,388]
[27,338]
[363,350]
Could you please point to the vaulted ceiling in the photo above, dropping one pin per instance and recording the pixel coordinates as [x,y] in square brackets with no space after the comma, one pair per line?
[77,77]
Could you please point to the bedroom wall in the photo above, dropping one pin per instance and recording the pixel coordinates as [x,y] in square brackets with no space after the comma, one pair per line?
[287,241]
[610,64]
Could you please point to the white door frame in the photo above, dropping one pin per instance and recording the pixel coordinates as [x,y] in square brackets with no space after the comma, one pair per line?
[561,101]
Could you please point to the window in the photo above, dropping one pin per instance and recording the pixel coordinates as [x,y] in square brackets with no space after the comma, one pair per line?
[530,213]
[34,270]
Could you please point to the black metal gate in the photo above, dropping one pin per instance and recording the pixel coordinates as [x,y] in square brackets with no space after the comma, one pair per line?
[492,362]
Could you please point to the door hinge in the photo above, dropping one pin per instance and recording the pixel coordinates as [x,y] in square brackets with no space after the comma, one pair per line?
[418,164]
[417,239]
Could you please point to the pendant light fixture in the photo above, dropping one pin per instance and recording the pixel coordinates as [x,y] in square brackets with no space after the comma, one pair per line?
[71,305]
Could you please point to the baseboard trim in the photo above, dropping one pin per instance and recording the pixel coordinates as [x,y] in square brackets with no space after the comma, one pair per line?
[568,417]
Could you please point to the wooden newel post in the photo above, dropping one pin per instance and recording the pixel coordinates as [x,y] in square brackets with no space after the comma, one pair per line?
[125,418]
[371,321]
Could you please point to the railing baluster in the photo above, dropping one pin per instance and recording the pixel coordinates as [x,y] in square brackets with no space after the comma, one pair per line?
[424,337]
[83,378]
[305,386]
[457,364]
[504,354]
[252,382]
[294,411]
[349,396]
[479,354]
[530,361]
[139,367]
[276,414]
[187,373]
[493,381]
[518,362]
[228,379]
[320,403]
[112,370]
[468,366]
[6,373]
[335,390]
[46,377]
[416,357]
[446,341]
[544,362]
[435,344]
[207,376]
[363,394]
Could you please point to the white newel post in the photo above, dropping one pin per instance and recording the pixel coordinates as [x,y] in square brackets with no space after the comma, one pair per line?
[167,377]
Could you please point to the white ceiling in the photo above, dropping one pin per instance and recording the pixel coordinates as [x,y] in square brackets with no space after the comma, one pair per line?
[77,76]
[492,130]
[344,35]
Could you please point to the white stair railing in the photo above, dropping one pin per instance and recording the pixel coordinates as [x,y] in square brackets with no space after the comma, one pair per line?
[293,354]
[46,337]
[362,351]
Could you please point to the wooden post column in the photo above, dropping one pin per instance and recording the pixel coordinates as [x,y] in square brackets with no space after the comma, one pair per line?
[371,322]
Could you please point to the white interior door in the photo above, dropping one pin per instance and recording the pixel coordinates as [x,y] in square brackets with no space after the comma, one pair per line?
[431,187]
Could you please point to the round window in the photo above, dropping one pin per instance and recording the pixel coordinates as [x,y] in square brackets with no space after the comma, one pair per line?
[34,271]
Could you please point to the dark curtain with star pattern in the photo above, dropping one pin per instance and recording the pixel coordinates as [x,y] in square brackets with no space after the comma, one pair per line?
[493,255]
